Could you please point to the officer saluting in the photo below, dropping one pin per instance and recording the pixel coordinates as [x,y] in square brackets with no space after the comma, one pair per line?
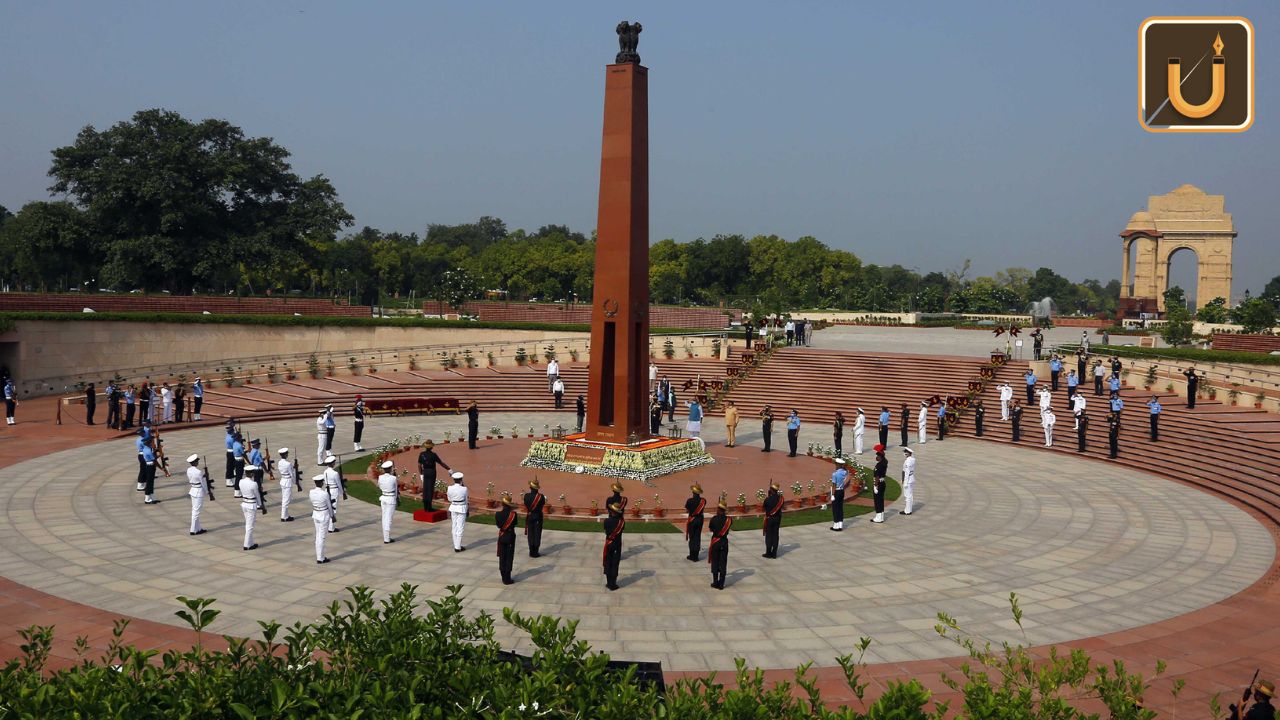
[388,496]
[321,515]
[772,521]
[718,550]
[197,486]
[694,507]
[979,413]
[1015,416]
[507,520]
[612,557]
[534,503]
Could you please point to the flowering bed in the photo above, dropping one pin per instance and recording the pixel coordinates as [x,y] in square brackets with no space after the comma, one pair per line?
[628,463]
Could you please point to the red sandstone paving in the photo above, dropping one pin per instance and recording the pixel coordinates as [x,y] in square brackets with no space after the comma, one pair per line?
[1214,649]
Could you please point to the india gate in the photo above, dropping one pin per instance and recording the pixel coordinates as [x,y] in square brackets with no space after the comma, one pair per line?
[1185,219]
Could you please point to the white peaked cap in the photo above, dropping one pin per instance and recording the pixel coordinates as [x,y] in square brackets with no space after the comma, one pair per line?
[193,458]
[388,465]
[908,451]
[456,475]
[318,478]
[329,459]
[283,451]
[250,468]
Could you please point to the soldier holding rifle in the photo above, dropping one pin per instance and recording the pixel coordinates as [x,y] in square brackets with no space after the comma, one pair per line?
[198,486]
[289,472]
[1262,708]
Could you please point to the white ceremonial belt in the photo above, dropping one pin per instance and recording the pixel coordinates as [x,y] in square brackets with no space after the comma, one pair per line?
[388,494]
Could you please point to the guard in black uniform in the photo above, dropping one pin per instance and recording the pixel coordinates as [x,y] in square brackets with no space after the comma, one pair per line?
[613,527]
[772,521]
[655,417]
[905,428]
[534,503]
[473,424]
[878,484]
[766,427]
[616,497]
[694,507]
[1015,416]
[1113,434]
[506,520]
[357,414]
[427,462]
[1082,429]
[979,414]
[718,550]
[1193,385]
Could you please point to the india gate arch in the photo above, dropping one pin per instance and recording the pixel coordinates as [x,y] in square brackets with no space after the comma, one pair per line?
[1185,219]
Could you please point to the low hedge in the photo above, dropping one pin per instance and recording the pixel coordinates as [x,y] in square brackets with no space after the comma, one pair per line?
[8,319]
[1187,354]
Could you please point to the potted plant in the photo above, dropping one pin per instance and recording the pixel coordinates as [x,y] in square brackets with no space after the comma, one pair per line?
[1212,392]
[313,366]
[515,432]
[413,362]
[658,511]
[637,508]
[742,503]
[496,431]
[564,506]
[447,434]
[549,352]
[329,368]
[573,354]
[1150,377]
[469,359]
[438,490]
[797,490]
[668,349]
[272,375]
[760,496]
[530,432]
[521,356]
[489,355]
[493,430]
[489,502]
[1234,394]
[352,366]
[1258,398]
[595,508]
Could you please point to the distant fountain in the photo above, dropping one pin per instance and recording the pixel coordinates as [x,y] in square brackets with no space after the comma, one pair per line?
[1041,310]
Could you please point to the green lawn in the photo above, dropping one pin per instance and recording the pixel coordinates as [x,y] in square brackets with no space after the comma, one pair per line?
[361,489]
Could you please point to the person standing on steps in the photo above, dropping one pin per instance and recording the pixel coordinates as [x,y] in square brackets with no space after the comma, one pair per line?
[922,423]
[1154,406]
[1030,379]
[731,419]
[766,427]
[534,505]
[473,424]
[1099,374]
[1047,421]
[793,432]
[718,550]
[1055,370]
[458,509]
[772,521]
[942,421]
[357,415]
[506,520]
[1006,397]
[694,507]
[581,407]
[883,425]
[903,427]
[1113,434]
[1015,419]
[839,482]
[859,430]
[878,483]
[427,462]
[979,414]
[1082,431]
[1193,385]
[1073,385]
[614,525]
[557,390]
[553,374]
[837,432]
[908,482]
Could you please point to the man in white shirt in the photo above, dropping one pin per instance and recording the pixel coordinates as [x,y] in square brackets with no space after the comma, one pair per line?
[859,428]
[922,423]
[333,484]
[321,515]
[1006,395]
[196,488]
[1078,403]
[908,481]
[166,395]
[553,373]
[1047,420]
[389,495]
[557,388]
[288,477]
[653,376]
[457,494]
[321,436]
[249,504]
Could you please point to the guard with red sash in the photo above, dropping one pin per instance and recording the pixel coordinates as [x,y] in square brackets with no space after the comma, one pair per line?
[506,519]
[718,550]
[693,526]
[612,556]
[534,502]
[616,498]
[772,521]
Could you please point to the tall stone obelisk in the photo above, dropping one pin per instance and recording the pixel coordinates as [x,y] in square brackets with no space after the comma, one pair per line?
[617,396]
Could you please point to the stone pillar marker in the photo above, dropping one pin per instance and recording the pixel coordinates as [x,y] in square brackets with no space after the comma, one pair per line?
[617,394]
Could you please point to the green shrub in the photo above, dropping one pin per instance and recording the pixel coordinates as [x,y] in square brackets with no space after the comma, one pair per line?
[1188,354]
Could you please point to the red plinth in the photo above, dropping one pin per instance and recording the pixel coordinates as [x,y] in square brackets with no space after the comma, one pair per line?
[431,516]
[617,394]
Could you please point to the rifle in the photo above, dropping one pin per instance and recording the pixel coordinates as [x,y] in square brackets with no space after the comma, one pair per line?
[208,481]
[262,495]
[1244,698]
[297,474]
[266,444]
[342,481]
[158,446]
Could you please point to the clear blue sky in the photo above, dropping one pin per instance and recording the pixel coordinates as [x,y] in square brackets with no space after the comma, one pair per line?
[918,133]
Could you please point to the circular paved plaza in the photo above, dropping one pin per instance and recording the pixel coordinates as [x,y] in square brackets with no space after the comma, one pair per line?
[1089,548]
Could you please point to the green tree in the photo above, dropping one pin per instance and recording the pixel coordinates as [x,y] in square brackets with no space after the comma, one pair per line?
[1177,328]
[48,246]
[1214,311]
[178,204]
[1255,314]
[1272,290]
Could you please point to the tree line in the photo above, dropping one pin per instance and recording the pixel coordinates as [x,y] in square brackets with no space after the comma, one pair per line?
[160,203]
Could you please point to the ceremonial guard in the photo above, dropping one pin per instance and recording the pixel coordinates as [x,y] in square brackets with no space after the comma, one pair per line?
[878,483]
[655,417]
[1154,406]
[859,431]
[288,480]
[718,550]
[237,461]
[473,424]
[357,414]
[616,497]
[231,454]
[793,432]
[979,414]
[1262,709]
[922,423]
[198,486]
[330,427]
[249,504]
[1015,418]
[130,404]
[334,484]
[694,508]
[322,515]
[179,401]
[731,419]
[1006,397]
[612,556]
[837,432]
[90,403]
[839,481]
[1082,431]
[580,406]
[144,436]
[942,421]
[534,505]
[321,435]
[197,390]
[766,427]
[427,462]
[256,459]
[1047,421]
[1113,434]
[113,405]
[772,521]
[904,427]
[388,496]
[1030,379]
[883,425]
[458,509]
[908,481]
[506,520]
[1193,384]
[149,473]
